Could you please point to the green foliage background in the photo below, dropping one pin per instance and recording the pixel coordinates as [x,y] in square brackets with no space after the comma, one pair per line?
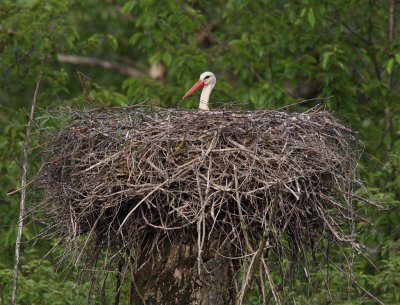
[265,53]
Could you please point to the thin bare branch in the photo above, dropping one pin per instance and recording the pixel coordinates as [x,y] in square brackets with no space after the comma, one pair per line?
[23,194]
[95,62]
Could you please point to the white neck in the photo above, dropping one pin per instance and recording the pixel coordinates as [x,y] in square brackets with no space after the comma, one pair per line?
[205,96]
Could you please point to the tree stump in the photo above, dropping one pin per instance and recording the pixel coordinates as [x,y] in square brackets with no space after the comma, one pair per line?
[175,278]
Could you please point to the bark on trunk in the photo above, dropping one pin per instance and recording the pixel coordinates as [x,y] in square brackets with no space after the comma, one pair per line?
[174,278]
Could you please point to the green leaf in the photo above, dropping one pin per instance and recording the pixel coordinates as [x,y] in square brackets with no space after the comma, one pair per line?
[113,41]
[325,59]
[128,6]
[311,17]
[397,57]
[167,58]
[135,38]
[389,66]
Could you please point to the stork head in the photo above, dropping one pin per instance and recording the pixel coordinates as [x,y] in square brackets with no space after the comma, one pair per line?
[207,79]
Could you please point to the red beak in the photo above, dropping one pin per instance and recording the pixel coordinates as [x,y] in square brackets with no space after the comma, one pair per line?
[195,87]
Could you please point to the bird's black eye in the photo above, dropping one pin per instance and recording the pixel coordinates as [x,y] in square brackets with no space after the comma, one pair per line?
[208,76]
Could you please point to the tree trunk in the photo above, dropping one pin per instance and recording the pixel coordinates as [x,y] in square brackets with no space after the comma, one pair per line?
[175,279]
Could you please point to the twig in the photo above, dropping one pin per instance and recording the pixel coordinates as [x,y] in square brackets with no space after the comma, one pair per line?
[23,195]
[274,289]
[305,101]
[19,59]
[82,79]
[19,189]
[249,276]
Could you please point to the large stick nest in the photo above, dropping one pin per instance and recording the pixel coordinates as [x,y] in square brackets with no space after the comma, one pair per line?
[130,177]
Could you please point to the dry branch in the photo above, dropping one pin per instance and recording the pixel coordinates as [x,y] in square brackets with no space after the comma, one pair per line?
[23,194]
[95,62]
[128,180]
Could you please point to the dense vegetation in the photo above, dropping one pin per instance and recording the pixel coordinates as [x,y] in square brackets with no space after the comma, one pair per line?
[265,54]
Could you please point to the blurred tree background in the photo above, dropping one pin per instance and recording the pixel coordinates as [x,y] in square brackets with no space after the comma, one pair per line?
[265,53]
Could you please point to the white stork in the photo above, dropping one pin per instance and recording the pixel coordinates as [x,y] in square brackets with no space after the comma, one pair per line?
[207,82]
